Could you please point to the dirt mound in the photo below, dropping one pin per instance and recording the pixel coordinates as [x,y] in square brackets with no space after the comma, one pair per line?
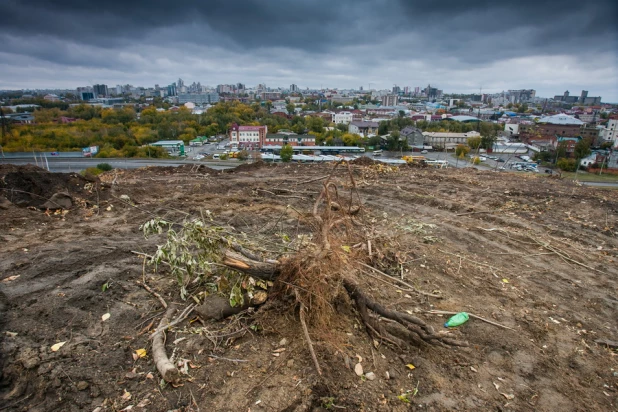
[248,167]
[363,161]
[30,186]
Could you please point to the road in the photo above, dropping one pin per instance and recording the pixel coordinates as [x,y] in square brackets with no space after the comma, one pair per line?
[77,164]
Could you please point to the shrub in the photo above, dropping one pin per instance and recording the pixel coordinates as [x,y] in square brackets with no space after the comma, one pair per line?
[568,165]
[476,160]
[286,153]
[93,171]
[105,167]
[224,156]
[242,155]
[462,150]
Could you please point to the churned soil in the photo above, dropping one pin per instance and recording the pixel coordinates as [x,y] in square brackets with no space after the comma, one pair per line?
[536,255]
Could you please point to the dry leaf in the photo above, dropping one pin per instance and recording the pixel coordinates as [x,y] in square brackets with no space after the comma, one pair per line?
[508,396]
[141,353]
[496,385]
[144,403]
[126,395]
[473,369]
[10,334]
[57,346]
[105,317]
[149,376]
[279,350]
[410,366]
[360,359]
[504,280]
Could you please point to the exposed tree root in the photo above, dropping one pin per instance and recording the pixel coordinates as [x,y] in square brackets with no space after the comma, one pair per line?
[415,328]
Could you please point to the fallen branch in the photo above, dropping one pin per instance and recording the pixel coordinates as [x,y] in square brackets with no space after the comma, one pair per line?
[443,312]
[402,282]
[152,292]
[475,213]
[227,359]
[168,371]
[306,332]
[312,180]
[185,313]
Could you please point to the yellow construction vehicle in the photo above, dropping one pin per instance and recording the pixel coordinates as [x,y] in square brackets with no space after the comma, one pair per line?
[414,159]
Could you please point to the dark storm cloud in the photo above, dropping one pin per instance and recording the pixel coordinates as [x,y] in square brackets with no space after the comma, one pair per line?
[314,25]
[306,39]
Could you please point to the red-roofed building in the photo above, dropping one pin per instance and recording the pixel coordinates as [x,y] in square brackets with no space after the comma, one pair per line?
[248,136]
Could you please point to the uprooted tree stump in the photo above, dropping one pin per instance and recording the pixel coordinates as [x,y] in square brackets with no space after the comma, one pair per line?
[315,276]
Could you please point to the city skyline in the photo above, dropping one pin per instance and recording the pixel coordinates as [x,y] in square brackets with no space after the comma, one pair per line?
[461,47]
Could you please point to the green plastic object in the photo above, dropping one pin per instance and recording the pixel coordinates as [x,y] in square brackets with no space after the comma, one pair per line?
[456,320]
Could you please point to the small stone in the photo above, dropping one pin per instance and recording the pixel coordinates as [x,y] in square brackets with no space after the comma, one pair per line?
[387,375]
[290,363]
[283,342]
[258,364]
[370,376]
[358,369]
[56,383]
[130,375]
[392,374]
[125,198]
[82,385]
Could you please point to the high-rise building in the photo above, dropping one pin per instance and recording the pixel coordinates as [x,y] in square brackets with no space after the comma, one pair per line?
[389,100]
[198,98]
[293,88]
[171,90]
[583,96]
[85,93]
[180,84]
[396,89]
[100,90]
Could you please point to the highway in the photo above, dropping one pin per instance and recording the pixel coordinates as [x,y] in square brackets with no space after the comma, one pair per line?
[65,164]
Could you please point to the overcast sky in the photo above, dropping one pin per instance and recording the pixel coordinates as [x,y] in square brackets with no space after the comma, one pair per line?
[456,45]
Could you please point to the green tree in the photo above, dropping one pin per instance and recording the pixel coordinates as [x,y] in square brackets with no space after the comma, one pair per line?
[286,153]
[462,150]
[383,128]
[561,150]
[474,142]
[582,149]
[290,108]
[568,165]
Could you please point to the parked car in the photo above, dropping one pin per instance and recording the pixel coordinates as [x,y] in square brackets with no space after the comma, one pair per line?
[424,152]
[500,160]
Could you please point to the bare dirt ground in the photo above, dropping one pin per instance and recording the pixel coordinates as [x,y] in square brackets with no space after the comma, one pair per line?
[537,255]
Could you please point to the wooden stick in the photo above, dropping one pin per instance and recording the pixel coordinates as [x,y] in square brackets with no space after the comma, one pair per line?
[474,213]
[307,337]
[168,371]
[312,180]
[227,359]
[176,321]
[443,312]
[402,282]
[152,292]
